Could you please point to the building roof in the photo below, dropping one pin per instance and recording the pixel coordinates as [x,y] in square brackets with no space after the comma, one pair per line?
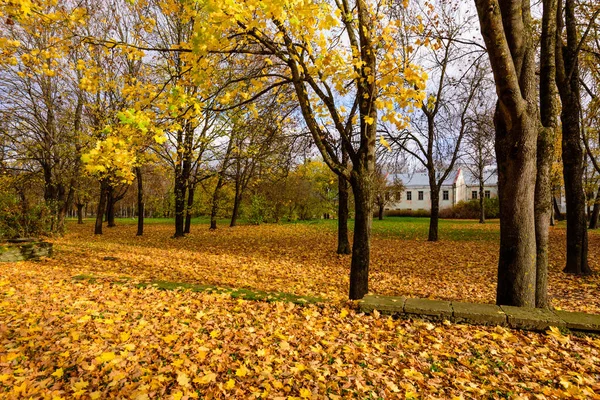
[414,179]
[490,176]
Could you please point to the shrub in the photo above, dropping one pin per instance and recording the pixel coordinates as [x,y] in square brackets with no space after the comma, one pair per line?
[470,209]
[16,222]
[406,213]
[258,209]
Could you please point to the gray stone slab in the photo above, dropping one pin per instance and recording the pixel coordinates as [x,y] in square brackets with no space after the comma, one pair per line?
[433,308]
[481,314]
[531,318]
[384,304]
[580,321]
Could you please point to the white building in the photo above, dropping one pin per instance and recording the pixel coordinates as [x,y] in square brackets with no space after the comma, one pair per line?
[459,185]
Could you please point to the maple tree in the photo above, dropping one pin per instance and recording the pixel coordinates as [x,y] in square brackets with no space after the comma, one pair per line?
[341,87]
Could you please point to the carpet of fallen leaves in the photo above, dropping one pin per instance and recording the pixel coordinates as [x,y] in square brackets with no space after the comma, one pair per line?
[65,339]
[61,338]
[301,259]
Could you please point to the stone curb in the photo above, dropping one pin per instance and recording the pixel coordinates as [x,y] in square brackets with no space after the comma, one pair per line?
[534,319]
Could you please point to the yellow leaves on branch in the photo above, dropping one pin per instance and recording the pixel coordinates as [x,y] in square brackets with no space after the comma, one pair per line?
[302,38]
[123,148]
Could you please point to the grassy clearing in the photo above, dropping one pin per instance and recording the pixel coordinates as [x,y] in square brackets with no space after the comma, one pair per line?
[245,294]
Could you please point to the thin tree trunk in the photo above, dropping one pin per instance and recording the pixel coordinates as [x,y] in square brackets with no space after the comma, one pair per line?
[110,207]
[343,243]
[180,191]
[140,201]
[361,249]
[435,212]
[594,216]
[545,150]
[380,212]
[557,214]
[80,213]
[481,198]
[220,182]
[101,208]
[567,77]
[236,208]
[188,211]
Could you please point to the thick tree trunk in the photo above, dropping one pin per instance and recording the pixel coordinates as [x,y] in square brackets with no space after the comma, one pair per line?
[140,201]
[343,243]
[435,212]
[380,211]
[188,211]
[101,208]
[516,179]
[361,182]
[506,28]
[80,213]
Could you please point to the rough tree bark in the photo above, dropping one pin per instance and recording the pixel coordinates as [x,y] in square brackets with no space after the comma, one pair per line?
[362,182]
[567,80]
[545,149]
[506,29]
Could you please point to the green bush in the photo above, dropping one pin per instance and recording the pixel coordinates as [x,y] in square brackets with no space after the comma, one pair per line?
[257,212]
[16,222]
[405,213]
[470,209]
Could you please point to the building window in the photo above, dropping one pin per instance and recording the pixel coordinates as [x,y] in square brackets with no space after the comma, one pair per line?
[399,196]
[387,196]
[474,194]
[445,195]
[420,195]
[488,194]
[409,196]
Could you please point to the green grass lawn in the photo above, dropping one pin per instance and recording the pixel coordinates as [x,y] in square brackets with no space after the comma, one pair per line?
[411,228]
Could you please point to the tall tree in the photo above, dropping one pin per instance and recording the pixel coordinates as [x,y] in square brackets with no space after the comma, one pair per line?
[545,149]
[506,28]
[435,136]
[568,82]
[298,44]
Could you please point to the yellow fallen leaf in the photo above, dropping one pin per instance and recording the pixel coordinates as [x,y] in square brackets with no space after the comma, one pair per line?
[208,378]
[170,338]
[106,357]
[230,384]
[58,373]
[242,371]
[183,379]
